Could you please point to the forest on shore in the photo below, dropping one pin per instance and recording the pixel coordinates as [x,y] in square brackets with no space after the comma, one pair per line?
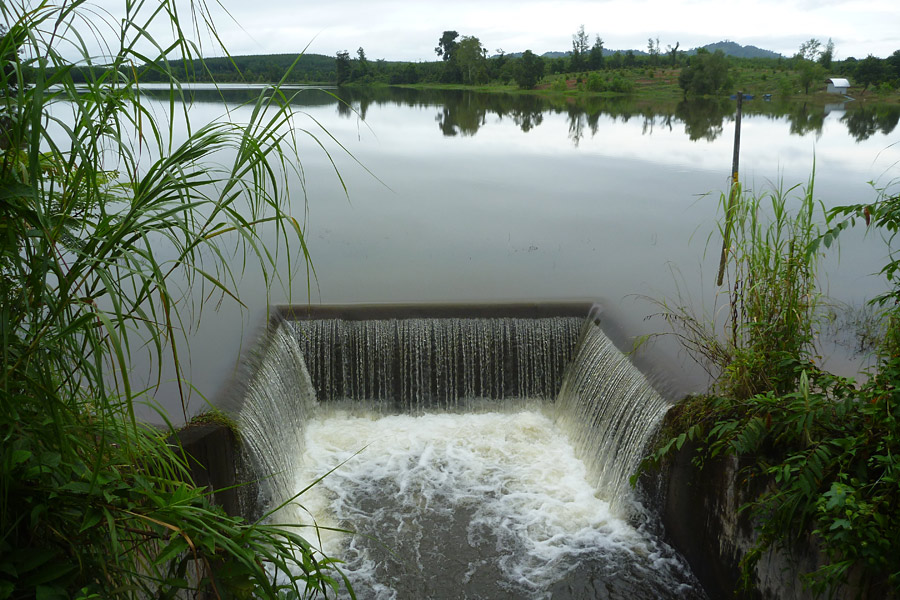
[588,67]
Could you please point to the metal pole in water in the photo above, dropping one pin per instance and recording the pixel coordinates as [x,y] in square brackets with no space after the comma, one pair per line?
[734,188]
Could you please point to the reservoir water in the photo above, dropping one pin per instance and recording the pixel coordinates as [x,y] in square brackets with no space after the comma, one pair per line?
[459,196]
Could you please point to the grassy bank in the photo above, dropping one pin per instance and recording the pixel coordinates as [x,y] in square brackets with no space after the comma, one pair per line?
[661,85]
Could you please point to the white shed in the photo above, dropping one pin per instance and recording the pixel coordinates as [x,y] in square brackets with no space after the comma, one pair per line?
[836,85]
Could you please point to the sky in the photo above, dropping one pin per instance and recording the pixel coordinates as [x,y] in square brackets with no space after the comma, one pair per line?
[408,30]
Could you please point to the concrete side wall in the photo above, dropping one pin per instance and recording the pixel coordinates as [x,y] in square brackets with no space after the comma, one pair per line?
[216,462]
[702,520]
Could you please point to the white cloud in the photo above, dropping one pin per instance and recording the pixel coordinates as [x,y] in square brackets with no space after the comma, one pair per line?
[397,30]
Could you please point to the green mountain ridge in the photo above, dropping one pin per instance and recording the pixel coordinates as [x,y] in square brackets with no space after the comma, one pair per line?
[728,47]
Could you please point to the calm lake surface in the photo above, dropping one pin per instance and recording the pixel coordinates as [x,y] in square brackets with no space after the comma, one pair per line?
[473,197]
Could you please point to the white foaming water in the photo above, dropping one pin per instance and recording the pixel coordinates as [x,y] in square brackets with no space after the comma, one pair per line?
[492,505]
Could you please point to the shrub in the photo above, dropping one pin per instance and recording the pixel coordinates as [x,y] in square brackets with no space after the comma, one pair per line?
[826,450]
[595,83]
[559,85]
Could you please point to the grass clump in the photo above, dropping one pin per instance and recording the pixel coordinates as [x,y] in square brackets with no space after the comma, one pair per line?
[823,452]
[768,322]
[106,223]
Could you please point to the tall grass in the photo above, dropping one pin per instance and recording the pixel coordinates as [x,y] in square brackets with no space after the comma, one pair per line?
[94,192]
[770,311]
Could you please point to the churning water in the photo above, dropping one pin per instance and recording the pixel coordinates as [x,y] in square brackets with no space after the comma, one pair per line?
[487,498]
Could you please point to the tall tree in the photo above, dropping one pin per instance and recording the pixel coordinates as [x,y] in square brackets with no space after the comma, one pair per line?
[653,50]
[810,72]
[530,70]
[810,49]
[706,74]
[893,62]
[343,67]
[673,52]
[362,64]
[447,45]
[827,55]
[580,49]
[870,70]
[595,58]
[470,59]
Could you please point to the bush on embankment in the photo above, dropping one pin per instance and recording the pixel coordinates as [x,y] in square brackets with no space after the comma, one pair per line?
[823,452]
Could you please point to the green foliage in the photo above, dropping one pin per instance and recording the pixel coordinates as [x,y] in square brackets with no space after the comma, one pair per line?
[706,74]
[614,83]
[102,236]
[580,49]
[447,45]
[882,214]
[770,255]
[810,73]
[530,70]
[559,85]
[269,68]
[826,456]
[470,60]
[342,67]
[823,452]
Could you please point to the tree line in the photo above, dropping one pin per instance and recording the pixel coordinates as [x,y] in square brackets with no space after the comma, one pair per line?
[466,60]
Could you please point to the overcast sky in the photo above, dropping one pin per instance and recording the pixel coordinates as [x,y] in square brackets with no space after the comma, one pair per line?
[409,30]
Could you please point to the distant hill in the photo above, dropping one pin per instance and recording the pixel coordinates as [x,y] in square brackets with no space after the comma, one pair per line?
[727,47]
[734,49]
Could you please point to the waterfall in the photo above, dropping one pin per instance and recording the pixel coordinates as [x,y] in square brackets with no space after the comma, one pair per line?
[278,400]
[609,410]
[515,500]
[412,365]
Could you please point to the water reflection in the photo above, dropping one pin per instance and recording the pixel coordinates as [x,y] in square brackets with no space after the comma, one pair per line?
[464,113]
[704,118]
[805,119]
[866,121]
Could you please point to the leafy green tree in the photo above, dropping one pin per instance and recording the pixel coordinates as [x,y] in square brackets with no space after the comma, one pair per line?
[706,74]
[470,59]
[343,66]
[615,61]
[498,64]
[673,52]
[653,50]
[870,70]
[827,55]
[595,58]
[557,66]
[810,73]
[810,50]
[580,48]
[893,62]
[630,59]
[447,45]
[362,64]
[530,70]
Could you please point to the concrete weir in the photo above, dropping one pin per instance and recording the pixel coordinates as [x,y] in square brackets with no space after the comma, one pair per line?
[396,360]
[219,460]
